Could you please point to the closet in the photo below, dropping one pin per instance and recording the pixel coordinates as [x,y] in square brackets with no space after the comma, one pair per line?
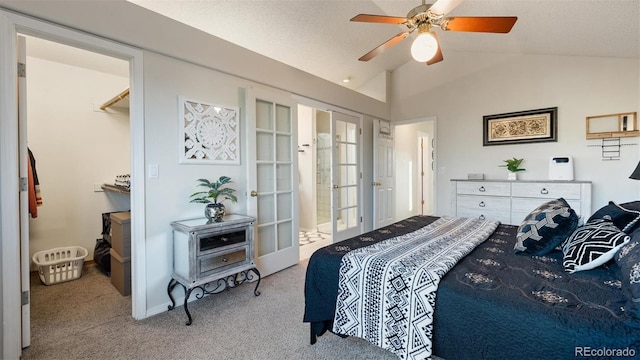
[78,130]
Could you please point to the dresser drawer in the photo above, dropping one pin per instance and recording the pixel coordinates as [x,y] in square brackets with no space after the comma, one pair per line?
[483,188]
[521,207]
[546,190]
[485,203]
[502,216]
[217,262]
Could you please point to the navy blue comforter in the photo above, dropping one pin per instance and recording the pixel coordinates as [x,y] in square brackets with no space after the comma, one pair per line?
[497,305]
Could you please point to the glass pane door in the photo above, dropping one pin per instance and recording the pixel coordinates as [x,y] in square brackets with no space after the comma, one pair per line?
[346,176]
[275,192]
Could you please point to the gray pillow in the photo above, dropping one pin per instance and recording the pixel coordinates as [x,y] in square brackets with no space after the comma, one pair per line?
[546,227]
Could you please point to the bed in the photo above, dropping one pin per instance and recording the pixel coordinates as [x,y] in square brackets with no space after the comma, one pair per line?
[496,304]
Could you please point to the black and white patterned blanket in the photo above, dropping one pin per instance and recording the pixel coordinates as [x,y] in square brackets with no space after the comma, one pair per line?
[387,290]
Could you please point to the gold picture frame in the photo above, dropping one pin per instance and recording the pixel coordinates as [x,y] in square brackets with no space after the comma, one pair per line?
[531,126]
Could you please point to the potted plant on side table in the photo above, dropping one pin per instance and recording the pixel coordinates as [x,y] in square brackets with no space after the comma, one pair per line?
[217,192]
[513,165]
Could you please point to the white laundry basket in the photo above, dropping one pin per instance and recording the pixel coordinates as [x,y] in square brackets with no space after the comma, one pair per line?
[60,264]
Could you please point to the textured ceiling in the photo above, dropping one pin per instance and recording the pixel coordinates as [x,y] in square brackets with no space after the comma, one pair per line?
[317,36]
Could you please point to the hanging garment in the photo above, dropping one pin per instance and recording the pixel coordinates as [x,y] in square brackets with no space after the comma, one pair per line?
[33,205]
[36,182]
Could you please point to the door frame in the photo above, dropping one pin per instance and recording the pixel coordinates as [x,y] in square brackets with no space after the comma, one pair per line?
[12,24]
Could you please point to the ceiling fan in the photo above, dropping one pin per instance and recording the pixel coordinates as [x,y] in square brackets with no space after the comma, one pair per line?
[423,18]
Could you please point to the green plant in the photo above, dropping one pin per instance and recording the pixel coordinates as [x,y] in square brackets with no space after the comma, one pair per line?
[215,190]
[513,165]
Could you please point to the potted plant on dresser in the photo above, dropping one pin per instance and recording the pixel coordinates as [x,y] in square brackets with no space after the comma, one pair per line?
[217,192]
[513,166]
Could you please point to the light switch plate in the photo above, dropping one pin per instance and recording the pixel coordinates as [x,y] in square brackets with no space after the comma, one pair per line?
[153,171]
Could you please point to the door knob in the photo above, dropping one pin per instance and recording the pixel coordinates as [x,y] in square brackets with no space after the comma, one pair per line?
[253,193]
[335,186]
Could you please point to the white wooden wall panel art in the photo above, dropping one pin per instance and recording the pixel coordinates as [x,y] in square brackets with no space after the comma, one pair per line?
[209,134]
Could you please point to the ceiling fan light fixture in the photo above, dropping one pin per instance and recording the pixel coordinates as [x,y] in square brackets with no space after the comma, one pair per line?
[424,47]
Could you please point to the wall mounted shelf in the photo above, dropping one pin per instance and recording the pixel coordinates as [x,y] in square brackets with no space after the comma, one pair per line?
[612,126]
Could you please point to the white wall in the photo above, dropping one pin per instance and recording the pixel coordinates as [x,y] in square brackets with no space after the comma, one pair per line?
[462,91]
[76,146]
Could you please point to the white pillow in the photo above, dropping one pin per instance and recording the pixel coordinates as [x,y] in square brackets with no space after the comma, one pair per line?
[592,245]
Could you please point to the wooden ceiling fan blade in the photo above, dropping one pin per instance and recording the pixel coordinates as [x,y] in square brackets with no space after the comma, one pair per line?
[438,56]
[382,19]
[387,44]
[490,24]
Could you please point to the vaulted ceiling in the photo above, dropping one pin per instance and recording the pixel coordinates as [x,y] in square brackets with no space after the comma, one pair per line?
[317,36]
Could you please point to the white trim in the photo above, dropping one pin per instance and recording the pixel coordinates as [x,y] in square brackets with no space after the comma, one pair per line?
[11,25]
[9,196]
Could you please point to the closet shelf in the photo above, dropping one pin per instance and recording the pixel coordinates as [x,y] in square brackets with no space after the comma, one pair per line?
[117,189]
[116,99]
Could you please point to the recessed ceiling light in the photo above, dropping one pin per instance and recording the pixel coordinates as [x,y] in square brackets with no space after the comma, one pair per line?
[347,79]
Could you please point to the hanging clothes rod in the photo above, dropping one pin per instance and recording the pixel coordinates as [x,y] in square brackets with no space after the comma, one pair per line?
[115,99]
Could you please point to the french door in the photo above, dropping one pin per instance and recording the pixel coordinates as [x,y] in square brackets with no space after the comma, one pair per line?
[272,178]
[346,176]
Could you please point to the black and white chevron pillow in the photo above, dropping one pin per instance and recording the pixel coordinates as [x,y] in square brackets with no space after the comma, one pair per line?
[592,245]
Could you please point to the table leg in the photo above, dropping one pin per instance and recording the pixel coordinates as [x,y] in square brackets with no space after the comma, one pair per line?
[255,291]
[187,293]
[172,284]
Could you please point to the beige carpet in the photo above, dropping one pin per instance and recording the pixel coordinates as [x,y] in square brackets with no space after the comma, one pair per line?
[89,319]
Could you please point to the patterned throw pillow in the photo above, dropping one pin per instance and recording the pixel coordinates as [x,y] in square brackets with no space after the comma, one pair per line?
[546,227]
[626,219]
[592,245]
[628,259]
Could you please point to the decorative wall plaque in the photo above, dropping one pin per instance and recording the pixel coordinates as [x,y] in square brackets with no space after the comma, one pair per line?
[209,134]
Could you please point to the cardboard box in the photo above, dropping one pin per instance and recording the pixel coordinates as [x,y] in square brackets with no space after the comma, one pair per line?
[121,233]
[120,272]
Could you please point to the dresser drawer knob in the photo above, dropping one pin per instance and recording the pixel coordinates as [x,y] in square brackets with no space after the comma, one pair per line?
[224,239]
[481,217]
[224,259]
[482,189]
[482,204]
[544,191]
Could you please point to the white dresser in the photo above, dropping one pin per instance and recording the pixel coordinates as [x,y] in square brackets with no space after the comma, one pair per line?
[511,201]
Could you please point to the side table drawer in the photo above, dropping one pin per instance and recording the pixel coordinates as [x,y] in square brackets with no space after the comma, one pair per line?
[213,241]
[218,261]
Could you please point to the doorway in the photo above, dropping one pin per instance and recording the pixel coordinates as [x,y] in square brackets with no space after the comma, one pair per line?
[12,161]
[415,154]
[77,145]
[314,180]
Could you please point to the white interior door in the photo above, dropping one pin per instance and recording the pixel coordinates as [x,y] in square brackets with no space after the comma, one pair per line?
[272,179]
[346,176]
[383,174]
[24,195]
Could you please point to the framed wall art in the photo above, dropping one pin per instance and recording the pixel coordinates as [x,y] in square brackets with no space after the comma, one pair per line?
[209,133]
[530,126]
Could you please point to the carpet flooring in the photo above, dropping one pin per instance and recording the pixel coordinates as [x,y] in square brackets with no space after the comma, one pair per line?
[88,319]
